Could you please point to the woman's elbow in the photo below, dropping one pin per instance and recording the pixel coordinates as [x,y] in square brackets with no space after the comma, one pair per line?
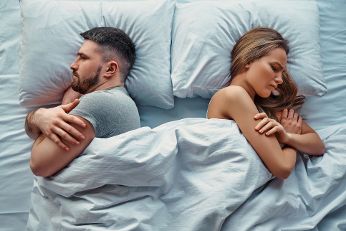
[283,175]
[283,172]
[319,150]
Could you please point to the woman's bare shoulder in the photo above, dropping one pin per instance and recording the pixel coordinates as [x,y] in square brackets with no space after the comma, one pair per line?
[231,93]
[228,100]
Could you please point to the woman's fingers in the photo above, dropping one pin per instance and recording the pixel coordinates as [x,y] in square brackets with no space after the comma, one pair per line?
[267,127]
[290,114]
[285,113]
[260,115]
[272,131]
[279,115]
[261,123]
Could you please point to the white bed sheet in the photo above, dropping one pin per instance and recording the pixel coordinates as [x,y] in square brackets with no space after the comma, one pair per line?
[324,113]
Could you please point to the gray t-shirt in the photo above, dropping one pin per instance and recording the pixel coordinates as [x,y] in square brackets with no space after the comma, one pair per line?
[111,112]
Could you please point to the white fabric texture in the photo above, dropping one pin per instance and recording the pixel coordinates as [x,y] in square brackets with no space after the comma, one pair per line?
[318,195]
[315,191]
[204,33]
[51,40]
[174,177]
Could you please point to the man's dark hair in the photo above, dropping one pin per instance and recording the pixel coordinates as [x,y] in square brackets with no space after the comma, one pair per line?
[115,43]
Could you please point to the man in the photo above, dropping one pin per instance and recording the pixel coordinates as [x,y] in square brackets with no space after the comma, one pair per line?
[104,109]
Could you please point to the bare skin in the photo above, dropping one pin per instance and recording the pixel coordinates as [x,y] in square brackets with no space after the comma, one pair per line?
[60,137]
[56,124]
[236,102]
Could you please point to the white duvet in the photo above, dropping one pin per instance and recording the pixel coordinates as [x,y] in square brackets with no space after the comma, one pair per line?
[190,174]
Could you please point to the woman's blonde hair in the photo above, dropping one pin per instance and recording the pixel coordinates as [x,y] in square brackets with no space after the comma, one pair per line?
[252,46]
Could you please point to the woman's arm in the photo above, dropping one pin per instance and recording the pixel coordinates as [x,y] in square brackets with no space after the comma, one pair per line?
[293,131]
[308,141]
[233,102]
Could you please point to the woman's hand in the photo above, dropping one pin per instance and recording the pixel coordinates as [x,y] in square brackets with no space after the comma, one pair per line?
[290,120]
[270,127]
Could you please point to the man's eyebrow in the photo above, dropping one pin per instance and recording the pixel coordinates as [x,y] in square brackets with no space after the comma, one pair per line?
[82,54]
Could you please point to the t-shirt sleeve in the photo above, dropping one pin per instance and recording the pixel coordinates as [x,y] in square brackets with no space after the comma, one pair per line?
[110,113]
[89,108]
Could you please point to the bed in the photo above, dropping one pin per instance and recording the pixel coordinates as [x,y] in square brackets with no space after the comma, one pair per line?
[167,188]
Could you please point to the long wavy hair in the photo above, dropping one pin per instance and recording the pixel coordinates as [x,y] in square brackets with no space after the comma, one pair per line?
[252,46]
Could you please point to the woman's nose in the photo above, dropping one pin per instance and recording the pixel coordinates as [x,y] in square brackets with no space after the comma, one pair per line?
[278,79]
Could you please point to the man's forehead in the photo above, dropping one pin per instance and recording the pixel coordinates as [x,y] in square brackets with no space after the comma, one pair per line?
[89,46]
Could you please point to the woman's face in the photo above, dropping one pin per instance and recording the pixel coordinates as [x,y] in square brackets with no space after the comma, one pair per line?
[265,74]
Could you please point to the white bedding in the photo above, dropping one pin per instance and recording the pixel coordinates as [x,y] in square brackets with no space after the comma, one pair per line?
[174,177]
[312,198]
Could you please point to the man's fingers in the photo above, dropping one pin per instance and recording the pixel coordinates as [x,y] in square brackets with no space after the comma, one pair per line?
[68,107]
[56,140]
[74,120]
[295,116]
[72,131]
[65,136]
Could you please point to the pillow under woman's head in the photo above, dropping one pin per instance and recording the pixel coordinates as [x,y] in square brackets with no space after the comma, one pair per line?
[205,32]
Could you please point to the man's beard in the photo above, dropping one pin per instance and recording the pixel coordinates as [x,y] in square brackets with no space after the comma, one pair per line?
[84,86]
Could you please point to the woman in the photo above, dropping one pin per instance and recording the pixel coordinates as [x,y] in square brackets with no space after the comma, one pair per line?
[262,100]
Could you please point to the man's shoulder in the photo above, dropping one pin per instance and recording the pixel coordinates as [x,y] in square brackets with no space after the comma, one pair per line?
[104,95]
[110,100]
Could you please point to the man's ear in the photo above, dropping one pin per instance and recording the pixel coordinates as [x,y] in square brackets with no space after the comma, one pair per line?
[112,68]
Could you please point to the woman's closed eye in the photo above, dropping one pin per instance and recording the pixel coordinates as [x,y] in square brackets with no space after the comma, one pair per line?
[276,67]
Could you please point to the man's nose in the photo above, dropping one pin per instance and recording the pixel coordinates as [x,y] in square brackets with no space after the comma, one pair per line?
[74,65]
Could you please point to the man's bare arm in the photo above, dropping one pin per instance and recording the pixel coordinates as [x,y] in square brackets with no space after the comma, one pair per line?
[30,126]
[55,124]
[47,158]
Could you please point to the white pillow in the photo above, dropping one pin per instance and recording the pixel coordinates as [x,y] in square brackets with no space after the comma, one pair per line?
[51,40]
[205,32]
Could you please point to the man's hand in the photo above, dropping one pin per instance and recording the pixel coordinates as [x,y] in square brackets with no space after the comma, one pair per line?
[55,122]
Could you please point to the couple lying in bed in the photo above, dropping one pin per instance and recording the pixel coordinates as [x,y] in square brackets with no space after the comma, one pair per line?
[261,98]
